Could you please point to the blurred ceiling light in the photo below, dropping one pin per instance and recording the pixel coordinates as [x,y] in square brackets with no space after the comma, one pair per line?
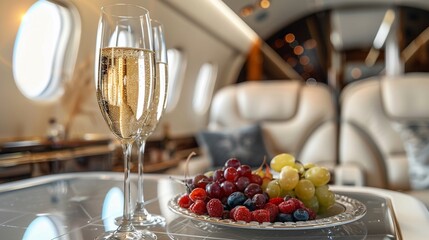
[279,43]
[264,4]
[304,60]
[247,10]
[310,43]
[356,73]
[298,50]
[290,37]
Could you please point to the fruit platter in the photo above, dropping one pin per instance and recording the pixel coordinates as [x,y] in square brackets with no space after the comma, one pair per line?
[282,195]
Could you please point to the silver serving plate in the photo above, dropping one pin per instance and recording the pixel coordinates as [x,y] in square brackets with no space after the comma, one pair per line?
[345,210]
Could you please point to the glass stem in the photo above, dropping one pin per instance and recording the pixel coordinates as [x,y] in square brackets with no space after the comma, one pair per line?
[126,222]
[140,198]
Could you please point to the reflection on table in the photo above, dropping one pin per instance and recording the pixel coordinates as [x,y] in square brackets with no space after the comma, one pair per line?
[83,205]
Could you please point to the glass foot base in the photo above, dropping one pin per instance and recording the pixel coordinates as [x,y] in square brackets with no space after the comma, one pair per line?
[137,235]
[144,220]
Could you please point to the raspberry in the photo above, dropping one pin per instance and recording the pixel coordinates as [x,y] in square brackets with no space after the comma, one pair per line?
[276,200]
[184,201]
[297,202]
[215,208]
[198,207]
[198,194]
[287,207]
[273,209]
[232,211]
[261,215]
[242,214]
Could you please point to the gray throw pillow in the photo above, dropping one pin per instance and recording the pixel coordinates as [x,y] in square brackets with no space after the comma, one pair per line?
[246,144]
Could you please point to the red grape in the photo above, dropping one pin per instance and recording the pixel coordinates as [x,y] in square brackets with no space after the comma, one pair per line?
[230,174]
[228,188]
[252,189]
[244,170]
[242,183]
[232,162]
[214,190]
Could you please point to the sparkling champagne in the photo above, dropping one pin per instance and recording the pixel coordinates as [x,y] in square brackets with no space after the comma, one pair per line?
[124,90]
[159,101]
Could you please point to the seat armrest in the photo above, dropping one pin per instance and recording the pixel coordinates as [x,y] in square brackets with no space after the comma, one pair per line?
[349,174]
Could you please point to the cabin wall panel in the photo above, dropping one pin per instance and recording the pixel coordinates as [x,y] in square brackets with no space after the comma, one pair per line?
[19,117]
[22,118]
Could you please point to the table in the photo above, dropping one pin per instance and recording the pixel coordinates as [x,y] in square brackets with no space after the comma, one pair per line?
[79,206]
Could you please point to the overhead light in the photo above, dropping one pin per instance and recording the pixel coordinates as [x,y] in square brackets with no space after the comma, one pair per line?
[247,10]
[264,4]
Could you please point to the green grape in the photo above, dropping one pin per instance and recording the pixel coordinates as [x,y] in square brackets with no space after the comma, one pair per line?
[304,189]
[273,189]
[325,196]
[298,166]
[288,178]
[319,176]
[282,160]
[312,203]
[309,165]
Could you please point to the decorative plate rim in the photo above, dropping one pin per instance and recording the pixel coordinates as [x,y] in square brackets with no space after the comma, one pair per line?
[353,211]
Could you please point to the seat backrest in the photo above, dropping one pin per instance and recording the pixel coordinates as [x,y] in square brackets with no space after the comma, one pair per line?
[405,100]
[295,117]
[368,137]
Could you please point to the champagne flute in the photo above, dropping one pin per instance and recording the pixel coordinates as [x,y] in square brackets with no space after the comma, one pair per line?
[141,217]
[125,76]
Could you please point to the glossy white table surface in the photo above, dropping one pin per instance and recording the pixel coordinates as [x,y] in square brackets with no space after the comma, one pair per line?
[83,205]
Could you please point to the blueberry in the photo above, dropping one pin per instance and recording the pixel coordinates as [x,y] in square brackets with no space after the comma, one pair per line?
[235,199]
[300,215]
[249,204]
[284,217]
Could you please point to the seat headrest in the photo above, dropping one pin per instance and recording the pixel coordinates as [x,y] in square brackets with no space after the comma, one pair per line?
[269,100]
[406,97]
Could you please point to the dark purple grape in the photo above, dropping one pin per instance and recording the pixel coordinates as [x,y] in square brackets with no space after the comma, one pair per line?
[214,190]
[228,188]
[198,178]
[244,170]
[252,189]
[232,162]
[259,200]
[242,183]
[218,176]
[254,178]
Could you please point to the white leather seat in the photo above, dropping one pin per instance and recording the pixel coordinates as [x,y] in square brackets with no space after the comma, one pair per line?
[295,117]
[368,139]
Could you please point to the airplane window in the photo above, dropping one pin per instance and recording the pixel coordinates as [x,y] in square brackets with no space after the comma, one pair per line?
[176,65]
[44,49]
[204,87]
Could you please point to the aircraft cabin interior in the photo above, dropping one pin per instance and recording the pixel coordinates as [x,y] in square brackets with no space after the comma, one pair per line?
[203,119]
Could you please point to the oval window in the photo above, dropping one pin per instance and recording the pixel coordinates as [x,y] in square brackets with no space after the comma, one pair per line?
[176,66]
[204,88]
[45,49]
